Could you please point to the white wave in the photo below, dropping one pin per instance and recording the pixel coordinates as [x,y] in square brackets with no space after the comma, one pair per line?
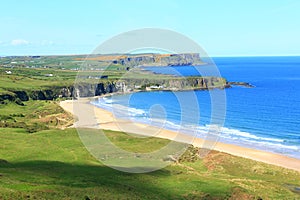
[105,100]
[235,132]
[108,100]
[135,111]
[102,104]
[277,146]
[227,134]
[126,112]
[242,138]
[173,126]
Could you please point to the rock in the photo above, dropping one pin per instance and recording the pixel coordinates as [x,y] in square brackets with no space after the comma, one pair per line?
[9,97]
[65,92]
[22,95]
[245,84]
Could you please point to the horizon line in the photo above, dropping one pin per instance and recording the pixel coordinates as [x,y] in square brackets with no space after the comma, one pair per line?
[213,56]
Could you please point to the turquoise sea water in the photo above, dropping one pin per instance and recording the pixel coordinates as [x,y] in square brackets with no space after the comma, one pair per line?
[265,117]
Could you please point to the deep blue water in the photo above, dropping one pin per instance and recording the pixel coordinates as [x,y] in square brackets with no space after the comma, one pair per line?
[265,117]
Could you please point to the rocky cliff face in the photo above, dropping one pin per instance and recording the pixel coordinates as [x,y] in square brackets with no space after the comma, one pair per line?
[125,85]
[151,59]
[188,83]
[181,60]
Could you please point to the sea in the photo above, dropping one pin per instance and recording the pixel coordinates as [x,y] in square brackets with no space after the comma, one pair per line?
[265,117]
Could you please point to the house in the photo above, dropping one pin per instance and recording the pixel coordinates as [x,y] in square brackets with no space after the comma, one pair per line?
[156,87]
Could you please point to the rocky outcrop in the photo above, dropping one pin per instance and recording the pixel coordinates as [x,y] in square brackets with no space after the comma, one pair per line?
[7,96]
[66,92]
[244,84]
[22,95]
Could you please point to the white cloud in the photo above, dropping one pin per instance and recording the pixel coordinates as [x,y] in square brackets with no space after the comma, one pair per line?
[17,42]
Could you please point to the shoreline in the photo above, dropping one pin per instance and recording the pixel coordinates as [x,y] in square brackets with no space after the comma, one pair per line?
[103,119]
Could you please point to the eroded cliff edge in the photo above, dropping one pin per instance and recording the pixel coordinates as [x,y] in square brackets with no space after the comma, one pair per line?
[85,89]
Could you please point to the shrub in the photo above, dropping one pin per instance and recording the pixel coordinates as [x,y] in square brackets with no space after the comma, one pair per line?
[35,127]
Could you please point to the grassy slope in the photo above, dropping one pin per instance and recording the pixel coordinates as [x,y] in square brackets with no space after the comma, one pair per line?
[53,164]
[34,116]
[35,79]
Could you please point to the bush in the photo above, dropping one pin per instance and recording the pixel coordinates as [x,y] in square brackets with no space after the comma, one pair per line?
[17,115]
[6,118]
[19,102]
[35,127]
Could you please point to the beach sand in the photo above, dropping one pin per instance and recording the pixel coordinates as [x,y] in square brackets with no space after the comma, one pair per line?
[91,116]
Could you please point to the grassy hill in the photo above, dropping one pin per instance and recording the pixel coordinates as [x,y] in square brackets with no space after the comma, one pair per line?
[53,164]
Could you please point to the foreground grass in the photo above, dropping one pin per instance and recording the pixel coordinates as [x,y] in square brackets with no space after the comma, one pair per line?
[53,164]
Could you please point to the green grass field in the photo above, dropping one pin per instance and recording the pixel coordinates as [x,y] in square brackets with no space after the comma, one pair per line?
[53,164]
[40,158]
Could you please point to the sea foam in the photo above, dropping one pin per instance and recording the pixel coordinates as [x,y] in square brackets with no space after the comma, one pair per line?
[219,133]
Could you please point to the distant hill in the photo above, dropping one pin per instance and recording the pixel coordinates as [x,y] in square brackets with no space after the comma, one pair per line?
[132,60]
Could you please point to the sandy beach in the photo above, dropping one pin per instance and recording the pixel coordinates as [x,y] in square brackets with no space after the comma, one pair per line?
[93,117]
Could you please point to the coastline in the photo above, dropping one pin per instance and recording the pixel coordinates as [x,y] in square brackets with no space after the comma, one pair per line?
[108,122]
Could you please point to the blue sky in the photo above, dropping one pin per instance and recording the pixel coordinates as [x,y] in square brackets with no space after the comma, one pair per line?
[222,28]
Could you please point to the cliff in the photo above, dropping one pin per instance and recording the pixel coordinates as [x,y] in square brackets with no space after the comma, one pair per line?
[149,59]
[85,89]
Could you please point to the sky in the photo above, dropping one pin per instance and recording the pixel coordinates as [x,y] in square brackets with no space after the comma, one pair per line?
[222,28]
